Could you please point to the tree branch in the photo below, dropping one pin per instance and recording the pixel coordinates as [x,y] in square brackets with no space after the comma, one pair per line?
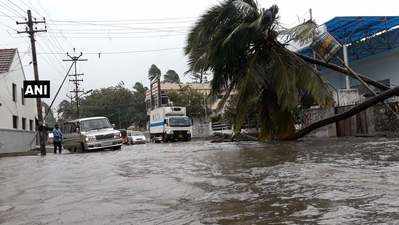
[342,70]
[353,111]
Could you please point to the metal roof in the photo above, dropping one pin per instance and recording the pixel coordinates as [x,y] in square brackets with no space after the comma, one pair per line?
[365,35]
[6,58]
[350,28]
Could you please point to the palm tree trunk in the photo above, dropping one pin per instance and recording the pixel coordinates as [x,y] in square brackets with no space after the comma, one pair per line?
[355,110]
[159,92]
[342,70]
[151,99]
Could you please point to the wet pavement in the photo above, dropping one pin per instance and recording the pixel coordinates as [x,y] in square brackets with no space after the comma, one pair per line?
[345,181]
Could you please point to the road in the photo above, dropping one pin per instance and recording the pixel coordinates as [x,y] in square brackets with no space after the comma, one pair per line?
[345,181]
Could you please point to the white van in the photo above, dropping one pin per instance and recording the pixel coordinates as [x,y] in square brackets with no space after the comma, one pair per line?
[88,134]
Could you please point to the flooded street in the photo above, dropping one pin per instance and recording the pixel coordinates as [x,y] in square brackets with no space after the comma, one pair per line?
[345,181]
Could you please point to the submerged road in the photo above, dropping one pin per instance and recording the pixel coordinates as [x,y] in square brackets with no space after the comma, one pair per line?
[345,181]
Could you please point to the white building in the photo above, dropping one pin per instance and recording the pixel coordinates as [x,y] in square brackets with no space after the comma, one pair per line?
[372,44]
[17,114]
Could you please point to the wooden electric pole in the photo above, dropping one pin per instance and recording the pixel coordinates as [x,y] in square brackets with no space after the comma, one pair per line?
[76,91]
[31,30]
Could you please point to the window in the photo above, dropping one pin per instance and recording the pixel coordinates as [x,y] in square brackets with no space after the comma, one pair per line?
[15,122]
[14,92]
[22,96]
[31,125]
[23,123]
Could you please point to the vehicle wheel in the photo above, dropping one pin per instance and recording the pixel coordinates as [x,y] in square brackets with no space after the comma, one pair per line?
[165,138]
[82,147]
[117,148]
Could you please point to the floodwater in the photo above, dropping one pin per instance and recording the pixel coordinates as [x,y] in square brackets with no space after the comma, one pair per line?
[336,181]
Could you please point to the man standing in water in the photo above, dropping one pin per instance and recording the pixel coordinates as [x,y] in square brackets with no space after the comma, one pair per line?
[57,139]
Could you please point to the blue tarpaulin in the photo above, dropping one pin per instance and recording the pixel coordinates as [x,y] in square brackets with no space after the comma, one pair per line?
[360,33]
[350,29]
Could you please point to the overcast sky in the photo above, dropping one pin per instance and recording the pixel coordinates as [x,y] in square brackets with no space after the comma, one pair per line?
[132,34]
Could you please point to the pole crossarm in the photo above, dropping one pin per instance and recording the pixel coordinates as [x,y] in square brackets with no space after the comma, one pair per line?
[76,81]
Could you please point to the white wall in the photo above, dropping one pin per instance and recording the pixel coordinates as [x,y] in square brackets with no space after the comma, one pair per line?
[16,140]
[378,67]
[8,107]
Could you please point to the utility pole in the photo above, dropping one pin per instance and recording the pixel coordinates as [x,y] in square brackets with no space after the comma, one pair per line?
[31,30]
[76,81]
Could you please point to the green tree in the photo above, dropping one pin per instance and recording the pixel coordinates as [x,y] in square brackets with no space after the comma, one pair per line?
[139,116]
[115,103]
[154,73]
[171,77]
[237,41]
[195,102]
[120,105]
[50,120]
[66,111]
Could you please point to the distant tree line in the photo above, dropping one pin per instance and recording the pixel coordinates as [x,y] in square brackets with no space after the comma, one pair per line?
[122,106]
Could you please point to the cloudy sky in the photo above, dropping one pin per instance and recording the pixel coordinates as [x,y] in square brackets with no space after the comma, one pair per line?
[130,35]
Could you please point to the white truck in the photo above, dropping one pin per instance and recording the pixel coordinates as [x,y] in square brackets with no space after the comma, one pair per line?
[170,124]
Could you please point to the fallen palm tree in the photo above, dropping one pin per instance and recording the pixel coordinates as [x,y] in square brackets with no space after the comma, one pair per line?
[238,42]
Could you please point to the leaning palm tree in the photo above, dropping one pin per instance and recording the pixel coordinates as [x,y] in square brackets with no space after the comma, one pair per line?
[237,41]
[154,74]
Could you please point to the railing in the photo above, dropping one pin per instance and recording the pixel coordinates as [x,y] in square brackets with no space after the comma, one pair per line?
[224,128]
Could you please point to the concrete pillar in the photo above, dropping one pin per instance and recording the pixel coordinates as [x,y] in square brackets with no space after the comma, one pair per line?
[347,81]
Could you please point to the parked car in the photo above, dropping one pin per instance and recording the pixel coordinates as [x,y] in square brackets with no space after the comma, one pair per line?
[136,137]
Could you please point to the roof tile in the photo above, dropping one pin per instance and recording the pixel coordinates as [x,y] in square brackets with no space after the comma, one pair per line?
[6,58]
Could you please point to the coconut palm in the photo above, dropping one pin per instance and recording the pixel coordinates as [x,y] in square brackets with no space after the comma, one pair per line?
[237,41]
[154,74]
[171,76]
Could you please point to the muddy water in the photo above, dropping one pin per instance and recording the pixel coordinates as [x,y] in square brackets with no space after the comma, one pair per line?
[350,181]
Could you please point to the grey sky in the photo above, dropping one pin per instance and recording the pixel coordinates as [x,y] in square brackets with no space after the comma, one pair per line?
[137,26]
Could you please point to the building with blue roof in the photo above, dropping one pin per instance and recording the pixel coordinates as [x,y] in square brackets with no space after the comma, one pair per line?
[372,48]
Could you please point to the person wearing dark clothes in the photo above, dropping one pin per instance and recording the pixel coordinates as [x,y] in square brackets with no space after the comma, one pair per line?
[57,139]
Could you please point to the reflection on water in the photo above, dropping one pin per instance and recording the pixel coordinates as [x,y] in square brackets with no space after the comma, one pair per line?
[345,181]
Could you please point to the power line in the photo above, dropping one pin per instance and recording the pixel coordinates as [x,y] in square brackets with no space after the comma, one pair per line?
[30,6]
[11,10]
[120,37]
[22,10]
[114,52]
[111,32]
[8,27]
[124,29]
[118,25]
[7,15]
[126,20]
[48,60]
[121,22]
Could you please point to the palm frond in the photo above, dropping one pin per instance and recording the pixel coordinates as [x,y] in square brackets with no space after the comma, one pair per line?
[302,34]
[246,7]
